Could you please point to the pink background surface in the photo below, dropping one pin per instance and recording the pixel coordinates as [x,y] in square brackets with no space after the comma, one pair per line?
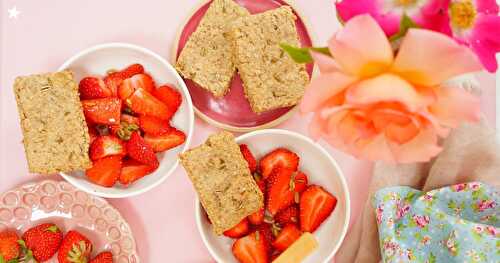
[48,32]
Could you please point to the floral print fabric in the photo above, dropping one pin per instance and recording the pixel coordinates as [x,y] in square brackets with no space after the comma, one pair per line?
[459,223]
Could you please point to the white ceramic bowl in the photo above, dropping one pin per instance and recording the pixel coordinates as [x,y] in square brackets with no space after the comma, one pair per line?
[98,60]
[320,168]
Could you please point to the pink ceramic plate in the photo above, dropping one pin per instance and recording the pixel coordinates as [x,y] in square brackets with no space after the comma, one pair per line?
[233,111]
[69,208]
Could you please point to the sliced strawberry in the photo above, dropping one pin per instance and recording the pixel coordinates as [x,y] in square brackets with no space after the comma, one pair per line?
[257,218]
[289,215]
[170,96]
[288,235]
[93,88]
[115,79]
[92,134]
[300,182]
[141,151]
[132,70]
[143,103]
[105,171]
[128,86]
[129,119]
[238,230]
[133,171]
[102,111]
[316,204]
[171,139]
[278,158]
[247,154]
[154,126]
[279,192]
[105,146]
[250,249]
[265,230]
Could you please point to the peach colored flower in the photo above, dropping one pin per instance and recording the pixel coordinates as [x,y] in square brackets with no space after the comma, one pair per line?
[378,106]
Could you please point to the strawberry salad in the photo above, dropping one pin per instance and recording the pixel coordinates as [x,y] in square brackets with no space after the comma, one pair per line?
[128,118]
[292,207]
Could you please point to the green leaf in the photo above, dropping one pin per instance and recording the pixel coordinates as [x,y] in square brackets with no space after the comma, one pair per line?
[432,258]
[2,260]
[303,55]
[404,26]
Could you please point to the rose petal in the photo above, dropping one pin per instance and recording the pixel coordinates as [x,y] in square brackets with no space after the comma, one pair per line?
[386,88]
[487,6]
[485,40]
[322,88]
[454,106]
[421,149]
[351,50]
[389,22]
[429,58]
[375,149]
[325,63]
[433,16]
[401,133]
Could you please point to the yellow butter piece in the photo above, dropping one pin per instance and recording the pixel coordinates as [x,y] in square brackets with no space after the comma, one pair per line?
[299,250]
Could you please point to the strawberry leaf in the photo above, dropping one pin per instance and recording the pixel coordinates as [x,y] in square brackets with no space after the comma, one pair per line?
[303,55]
[2,260]
[405,25]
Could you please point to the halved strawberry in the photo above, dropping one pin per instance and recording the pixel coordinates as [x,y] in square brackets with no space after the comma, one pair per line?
[289,234]
[247,154]
[75,248]
[93,88]
[128,86]
[167,141]
[170,96]
[106,146]
[238,230]
[279,192]
[102,111]
[105,171]
[316,204]
[281,157]
[289,215]
[154,126]
[257,218]
[141,151]
[115,79]
[143,103]
[250,249]
[132,171]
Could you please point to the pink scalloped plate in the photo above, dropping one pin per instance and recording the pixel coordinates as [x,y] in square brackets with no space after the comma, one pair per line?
[62,204]
[233,110]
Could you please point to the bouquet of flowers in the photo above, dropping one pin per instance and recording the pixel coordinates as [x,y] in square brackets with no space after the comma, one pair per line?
[380,94]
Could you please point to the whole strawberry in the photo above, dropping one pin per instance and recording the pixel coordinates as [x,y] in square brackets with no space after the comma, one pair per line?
[75,248]
[9,246]
[43,240]
[103,257]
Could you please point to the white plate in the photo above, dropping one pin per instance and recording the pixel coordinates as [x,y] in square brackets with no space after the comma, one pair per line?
[98,60]
[320,168]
